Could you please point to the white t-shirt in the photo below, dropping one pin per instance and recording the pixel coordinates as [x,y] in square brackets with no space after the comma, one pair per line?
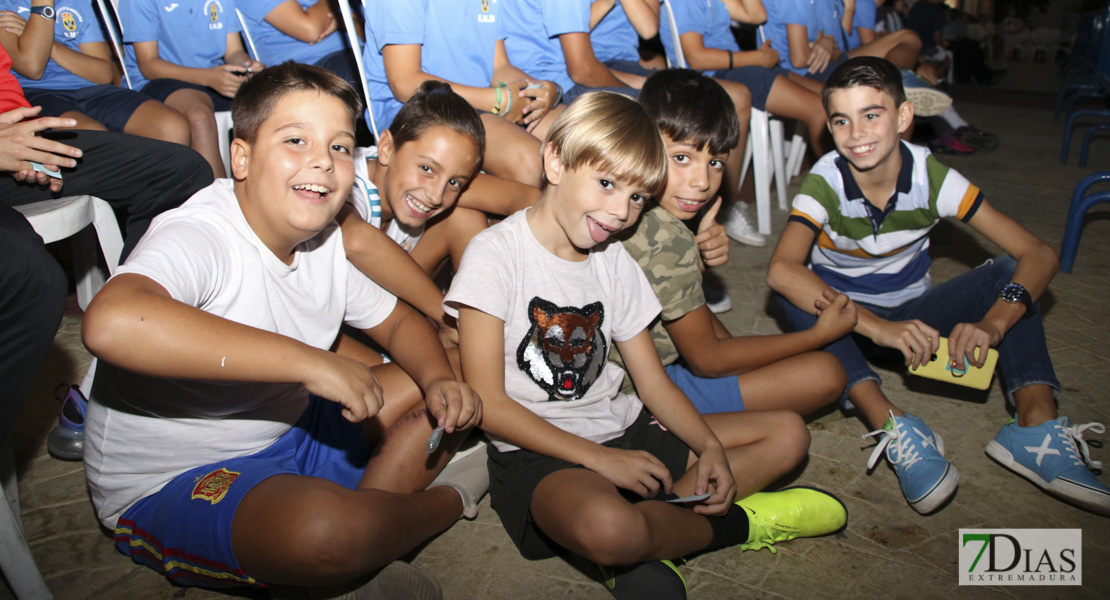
[560,319]
[142,431]
[368,202]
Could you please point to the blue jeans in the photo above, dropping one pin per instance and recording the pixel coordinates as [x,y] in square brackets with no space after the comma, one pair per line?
[1022,355]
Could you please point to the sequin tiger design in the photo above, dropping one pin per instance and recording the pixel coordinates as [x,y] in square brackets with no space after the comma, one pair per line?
[564,350]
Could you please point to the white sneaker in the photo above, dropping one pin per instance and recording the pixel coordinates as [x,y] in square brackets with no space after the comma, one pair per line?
[739,228]
[468,475]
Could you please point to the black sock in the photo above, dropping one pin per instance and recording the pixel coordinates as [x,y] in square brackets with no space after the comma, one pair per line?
[728,530]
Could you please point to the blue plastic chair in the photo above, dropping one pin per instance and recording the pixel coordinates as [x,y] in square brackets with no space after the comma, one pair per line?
[1096,87]
[1081,202]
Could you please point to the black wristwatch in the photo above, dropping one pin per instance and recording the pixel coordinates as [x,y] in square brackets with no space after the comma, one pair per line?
[46,12]
[1015,292]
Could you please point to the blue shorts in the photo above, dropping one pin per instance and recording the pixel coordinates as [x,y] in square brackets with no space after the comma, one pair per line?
[629,66]
[758,80]
[823,76]
[160,89]
[184,530]
[109,105]
[709,395]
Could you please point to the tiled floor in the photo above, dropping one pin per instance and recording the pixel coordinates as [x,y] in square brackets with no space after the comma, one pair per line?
[887,551]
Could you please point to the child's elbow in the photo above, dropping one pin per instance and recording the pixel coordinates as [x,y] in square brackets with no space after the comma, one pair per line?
[798,61]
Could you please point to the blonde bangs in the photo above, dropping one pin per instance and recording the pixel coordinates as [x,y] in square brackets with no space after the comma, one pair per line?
[611,132]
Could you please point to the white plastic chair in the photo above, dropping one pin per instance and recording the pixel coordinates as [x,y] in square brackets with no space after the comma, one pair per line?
[56,220]
[356,48]
[16,561]
[224,123]
[247,35]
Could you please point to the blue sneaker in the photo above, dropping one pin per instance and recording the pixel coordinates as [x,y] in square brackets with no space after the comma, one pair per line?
[67,440]
[917,456]
[1049,456]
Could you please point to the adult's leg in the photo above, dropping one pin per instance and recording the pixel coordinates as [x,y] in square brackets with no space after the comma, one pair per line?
[900,48]
[32,298]
[156,120]
[199,112]
[84,121]
[791,100]
[512,153]
[144,177]
[742,100]
[447,237]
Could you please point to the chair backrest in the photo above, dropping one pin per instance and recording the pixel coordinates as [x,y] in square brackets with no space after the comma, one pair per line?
[356,48]
[115,32]
[247,35]
[680,58]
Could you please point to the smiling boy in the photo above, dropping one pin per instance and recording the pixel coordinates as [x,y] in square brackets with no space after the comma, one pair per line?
[225,444]
[719,372]
[576,465]
[869,207]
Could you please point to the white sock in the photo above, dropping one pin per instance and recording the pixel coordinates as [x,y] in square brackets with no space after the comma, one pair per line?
[953,119]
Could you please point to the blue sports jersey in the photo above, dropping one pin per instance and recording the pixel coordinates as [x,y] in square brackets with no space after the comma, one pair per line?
[274,46]
[864,17]
[790,12]
[75,24]
[614,38]
[706,17]
[457,37]
[532,30]
[190,33]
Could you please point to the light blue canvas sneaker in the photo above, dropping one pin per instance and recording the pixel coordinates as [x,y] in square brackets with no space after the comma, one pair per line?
[1054,456]
[917,456]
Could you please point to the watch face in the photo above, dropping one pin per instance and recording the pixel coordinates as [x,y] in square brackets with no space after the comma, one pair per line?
[1012,292]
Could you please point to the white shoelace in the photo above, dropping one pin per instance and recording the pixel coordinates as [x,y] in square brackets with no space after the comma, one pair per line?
[905,453]
[1074,433]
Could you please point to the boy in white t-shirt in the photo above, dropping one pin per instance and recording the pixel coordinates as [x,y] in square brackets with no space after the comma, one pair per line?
[575,465]
[225,444]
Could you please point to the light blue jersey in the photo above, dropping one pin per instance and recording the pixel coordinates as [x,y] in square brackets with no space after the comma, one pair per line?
[76,23]
[532,30]
[190,33]
[273,45]
[790,12]
[614,38]
[457,37]
[706,17]
[864,17]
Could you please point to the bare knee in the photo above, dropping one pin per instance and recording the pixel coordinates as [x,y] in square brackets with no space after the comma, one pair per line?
[325,537]
[612,535]
[831,380]
[792,438]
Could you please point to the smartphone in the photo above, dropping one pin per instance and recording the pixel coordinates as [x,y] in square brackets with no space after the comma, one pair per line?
[940,368]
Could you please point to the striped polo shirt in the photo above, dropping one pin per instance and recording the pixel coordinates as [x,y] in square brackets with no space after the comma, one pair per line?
[880,256]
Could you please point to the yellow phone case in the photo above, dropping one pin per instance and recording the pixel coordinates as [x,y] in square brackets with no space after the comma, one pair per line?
[940,369]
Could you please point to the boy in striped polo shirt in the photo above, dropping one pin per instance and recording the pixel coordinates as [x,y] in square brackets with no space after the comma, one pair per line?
[870,206]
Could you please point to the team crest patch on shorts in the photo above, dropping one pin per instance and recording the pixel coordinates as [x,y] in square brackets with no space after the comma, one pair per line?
[213,486]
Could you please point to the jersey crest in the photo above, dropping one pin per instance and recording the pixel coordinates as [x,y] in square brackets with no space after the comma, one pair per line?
[213,486]
[564,349]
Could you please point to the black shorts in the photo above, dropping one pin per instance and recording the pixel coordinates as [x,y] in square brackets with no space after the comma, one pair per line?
[107,104]
[515,475]
[160,89]
[758,80]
